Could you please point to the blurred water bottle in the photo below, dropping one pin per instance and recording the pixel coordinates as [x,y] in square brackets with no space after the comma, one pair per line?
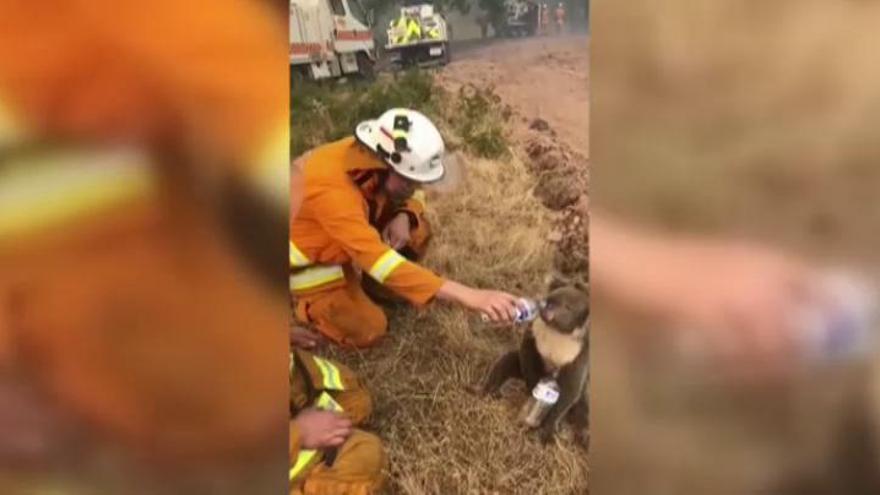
[842,324]
[543,398]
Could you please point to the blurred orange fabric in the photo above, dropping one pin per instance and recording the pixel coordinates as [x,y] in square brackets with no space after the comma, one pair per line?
[134,310]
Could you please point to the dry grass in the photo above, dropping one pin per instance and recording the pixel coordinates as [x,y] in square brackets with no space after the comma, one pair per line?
[490,232]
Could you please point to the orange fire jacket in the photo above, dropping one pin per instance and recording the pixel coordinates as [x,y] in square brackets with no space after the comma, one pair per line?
[334,225]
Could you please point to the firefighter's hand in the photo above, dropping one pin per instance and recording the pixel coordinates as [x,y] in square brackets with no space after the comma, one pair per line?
[498,306]
[304,338]
[320,429]
[397,233]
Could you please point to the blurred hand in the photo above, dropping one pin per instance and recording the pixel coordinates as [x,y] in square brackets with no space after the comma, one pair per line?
[731,301]
[749,294]
[397,232]
[304,338]
[320,429]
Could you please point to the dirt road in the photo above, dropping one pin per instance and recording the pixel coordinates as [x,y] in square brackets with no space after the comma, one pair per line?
[546,78]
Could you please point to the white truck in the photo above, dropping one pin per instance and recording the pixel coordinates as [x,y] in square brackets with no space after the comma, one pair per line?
[430,47]
[521,19]
[330,38]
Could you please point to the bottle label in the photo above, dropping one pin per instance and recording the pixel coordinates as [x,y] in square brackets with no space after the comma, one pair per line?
[546,394]
[527,310]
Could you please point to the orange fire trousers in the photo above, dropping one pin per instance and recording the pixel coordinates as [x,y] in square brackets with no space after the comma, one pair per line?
[359,463]
[345,314]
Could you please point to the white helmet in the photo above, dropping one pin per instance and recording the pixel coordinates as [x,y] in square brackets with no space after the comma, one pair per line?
[408,141]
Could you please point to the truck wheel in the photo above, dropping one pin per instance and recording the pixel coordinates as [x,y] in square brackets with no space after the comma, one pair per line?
[446,55]
[366,67]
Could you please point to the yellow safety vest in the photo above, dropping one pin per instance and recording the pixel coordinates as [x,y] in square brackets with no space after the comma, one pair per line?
[332,380]
[399,30]
[413,30]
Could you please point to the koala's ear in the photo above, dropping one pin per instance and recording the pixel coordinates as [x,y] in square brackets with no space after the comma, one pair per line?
[555,281]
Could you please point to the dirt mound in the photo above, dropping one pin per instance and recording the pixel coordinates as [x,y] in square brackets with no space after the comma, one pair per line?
[562,181]
[539,125]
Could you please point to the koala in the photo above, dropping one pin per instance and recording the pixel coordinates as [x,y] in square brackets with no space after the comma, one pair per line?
[556,342]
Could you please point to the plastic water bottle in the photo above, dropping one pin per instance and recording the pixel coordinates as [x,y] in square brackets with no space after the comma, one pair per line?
[843,325]
[527,310]
[544,396]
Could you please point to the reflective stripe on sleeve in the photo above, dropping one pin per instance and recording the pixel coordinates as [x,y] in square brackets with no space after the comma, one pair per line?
[385,265]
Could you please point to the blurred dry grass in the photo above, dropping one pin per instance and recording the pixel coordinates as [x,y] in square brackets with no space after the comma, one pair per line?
[742,116]
[490,232]
[755,118]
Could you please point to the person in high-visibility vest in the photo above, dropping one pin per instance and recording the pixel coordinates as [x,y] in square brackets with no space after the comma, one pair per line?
[123,291]
[362,216]
[432,31]
[560,18]
[413,29]
[398,29]
[328,454]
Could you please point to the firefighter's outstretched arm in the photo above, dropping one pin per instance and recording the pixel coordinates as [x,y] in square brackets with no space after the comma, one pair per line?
[347,224]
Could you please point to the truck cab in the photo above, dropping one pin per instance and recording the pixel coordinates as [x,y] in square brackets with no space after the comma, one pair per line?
[331,38]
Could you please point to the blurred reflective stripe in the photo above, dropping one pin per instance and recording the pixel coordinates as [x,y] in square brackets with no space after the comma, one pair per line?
[331,375]
[302,460]
[297,258]
[271,166]
[316,276]
[43,191]
[385,265]
[327,403]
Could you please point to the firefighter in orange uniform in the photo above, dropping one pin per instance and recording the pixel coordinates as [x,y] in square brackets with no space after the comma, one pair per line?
[328,454]
[114,263]
[362,216]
